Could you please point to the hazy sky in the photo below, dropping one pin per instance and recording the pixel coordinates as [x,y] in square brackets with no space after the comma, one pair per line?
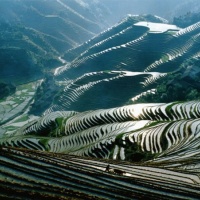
[164,8]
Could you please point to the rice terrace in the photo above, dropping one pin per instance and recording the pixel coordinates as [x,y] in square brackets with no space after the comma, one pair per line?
[99,99]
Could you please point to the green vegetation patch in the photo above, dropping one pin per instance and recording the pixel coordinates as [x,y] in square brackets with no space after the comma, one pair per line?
[44,143]
[22,119]
[134,153]
[165,58]
[180,85]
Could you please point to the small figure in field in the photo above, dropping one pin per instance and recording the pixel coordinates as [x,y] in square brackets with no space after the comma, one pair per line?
[107,168]
[114,171]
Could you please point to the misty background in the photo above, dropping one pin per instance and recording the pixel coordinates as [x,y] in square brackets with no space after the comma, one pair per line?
[167,9]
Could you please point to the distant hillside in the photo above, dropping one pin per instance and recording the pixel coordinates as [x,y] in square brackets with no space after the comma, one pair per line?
[33,34]
[167,9]
[26,53]
[125,63]
[68,20]
[47,29]
[124,25]
[186,20]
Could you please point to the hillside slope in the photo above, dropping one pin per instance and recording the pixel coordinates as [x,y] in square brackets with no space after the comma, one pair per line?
[41,31]
[66,20]
[26,53]
[51,128]
[116,66]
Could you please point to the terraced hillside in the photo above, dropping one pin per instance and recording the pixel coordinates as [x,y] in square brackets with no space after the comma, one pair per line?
[136,132]
[161,143]
[119,58]
[59,176]
[64,152]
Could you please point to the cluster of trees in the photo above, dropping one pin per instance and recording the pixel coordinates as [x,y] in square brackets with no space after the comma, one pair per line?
[182,85]
[186,20]
[25,54]
[45,95]
[6,89]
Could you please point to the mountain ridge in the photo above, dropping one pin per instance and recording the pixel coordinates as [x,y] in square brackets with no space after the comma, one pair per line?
[45,30]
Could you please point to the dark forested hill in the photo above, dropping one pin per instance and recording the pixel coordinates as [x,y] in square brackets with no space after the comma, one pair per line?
[187,19]
[34,33]
[25,53]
